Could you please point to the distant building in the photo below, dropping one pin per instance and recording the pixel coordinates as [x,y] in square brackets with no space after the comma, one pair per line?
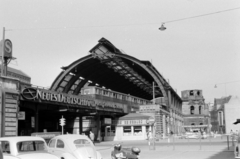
[232,113]
[195,111]
[18,74]
[224,113]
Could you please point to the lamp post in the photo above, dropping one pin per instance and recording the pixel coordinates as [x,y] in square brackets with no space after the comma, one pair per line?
[3,48]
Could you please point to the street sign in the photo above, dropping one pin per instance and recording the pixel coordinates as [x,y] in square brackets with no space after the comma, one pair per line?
[151,120]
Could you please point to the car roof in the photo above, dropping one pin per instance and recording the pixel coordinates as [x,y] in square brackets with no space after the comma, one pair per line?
[21,138]
[71,137]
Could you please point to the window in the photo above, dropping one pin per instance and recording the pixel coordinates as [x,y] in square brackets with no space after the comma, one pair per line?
[191,93]
[110,130]
[200,109]
[27,146]
[86,91]
[137,130]
[52,143]
[60,144]
[127,130]
[81,143]
[198,93]
[5,147]
[113,129]
[105,93]
[192,109]
[201,124]
[97,91]
[193,124]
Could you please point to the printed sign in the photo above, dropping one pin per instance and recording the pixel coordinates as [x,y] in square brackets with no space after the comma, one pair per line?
[107,121]
[21,115]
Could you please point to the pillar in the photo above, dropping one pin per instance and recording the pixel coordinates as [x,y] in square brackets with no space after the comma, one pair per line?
[80,124]
[98,122]
[36,119]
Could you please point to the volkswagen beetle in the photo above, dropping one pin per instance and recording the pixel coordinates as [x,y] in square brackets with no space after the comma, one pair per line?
[25,147]
[73,146]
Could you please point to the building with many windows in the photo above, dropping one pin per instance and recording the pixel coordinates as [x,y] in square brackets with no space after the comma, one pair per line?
[195,111]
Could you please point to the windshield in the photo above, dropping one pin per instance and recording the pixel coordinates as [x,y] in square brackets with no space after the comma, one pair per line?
[30,146]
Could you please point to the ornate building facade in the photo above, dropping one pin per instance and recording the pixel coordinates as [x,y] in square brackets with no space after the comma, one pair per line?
[195,111]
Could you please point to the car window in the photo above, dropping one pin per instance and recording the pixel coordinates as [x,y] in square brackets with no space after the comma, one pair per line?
[60,144]
[26,146]
[5,146]
[52,143]
[81,143]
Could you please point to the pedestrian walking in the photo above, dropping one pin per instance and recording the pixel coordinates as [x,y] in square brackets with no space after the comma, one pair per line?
[91,135]
[149,137]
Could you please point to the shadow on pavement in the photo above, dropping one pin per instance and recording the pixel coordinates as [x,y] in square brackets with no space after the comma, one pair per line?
[225,154]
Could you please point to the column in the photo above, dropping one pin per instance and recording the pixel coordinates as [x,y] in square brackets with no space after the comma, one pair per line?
[98,122]
[36,119]
[80,124]
[164,125]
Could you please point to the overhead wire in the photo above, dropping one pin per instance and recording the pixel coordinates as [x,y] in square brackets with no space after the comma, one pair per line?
[119,25]
[207,14]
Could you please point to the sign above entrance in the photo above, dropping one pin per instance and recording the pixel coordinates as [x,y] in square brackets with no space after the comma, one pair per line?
[41,95]
[149,108]
[131,122]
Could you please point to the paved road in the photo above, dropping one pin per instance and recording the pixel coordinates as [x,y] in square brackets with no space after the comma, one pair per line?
[216,148]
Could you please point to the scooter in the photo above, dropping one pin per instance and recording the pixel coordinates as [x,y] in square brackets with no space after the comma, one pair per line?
[125,153]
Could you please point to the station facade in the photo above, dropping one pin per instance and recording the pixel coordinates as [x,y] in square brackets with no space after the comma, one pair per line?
[93,93]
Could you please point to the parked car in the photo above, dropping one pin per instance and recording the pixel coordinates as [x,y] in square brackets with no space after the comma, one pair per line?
[73,146]
[25,147]
[191,136]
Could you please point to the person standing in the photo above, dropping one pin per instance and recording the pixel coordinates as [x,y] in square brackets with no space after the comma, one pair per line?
[91,135]
[149,137]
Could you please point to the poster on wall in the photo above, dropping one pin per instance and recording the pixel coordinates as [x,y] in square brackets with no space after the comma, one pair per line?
[21,115]
[108,121]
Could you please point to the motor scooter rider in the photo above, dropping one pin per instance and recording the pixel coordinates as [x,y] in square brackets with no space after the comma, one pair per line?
[117,152]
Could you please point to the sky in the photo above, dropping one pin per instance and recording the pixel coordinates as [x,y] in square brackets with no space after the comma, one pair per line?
[199,49]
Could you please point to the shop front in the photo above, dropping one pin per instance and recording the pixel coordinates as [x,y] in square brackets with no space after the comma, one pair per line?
[133,126]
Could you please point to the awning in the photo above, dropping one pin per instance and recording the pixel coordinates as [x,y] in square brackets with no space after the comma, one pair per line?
[237,121]
[134,116]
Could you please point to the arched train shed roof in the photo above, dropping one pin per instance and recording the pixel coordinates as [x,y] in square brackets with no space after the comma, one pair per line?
[108,67]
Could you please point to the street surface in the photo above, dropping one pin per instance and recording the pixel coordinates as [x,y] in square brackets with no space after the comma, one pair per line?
[214,148]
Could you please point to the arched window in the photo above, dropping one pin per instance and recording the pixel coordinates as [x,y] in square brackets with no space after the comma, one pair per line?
[191,93]
[192,109]
[200,109]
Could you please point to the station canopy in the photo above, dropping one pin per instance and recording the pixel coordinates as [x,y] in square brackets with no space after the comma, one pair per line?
[108,67]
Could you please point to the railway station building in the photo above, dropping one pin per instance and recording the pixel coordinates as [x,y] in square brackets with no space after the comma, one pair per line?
[96,92]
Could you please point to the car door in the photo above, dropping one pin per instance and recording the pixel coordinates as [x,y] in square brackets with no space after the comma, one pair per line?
[51,146]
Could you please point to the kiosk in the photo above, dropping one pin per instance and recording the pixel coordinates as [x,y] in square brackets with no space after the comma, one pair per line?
[133,126]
